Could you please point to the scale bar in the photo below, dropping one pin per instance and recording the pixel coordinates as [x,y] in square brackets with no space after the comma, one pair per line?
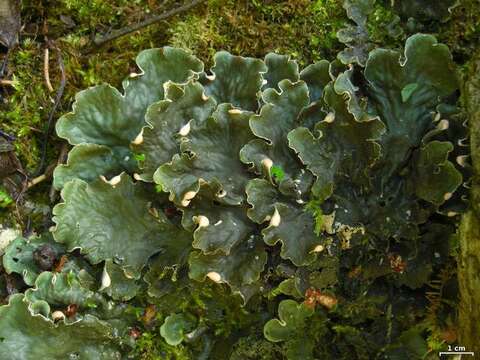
[456,353]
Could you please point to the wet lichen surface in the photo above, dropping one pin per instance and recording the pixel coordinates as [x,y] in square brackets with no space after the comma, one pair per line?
[184,321]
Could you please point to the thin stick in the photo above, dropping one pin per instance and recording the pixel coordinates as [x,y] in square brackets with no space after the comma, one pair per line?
[60,90]
[7,82]
[100,41]
[46,72]
[36,180]
[47,175]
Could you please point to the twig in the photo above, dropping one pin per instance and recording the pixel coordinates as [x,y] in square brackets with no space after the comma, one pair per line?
[7,82]
[34,129]
[46,72]
[46,175]
[100,41]
[61,88]
[36,180]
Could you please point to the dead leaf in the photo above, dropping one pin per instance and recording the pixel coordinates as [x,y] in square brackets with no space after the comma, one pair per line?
[71,310]
[61,263]
[149,314]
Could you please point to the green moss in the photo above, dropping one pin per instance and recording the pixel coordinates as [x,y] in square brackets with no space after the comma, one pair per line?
[306,30]
[198,35]
[384,27]
[26,102]
[462,32]
[151,346]
[255,348]
[7,209]
[5,199]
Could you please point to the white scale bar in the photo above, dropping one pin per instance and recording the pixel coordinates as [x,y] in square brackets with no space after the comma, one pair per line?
[456,353]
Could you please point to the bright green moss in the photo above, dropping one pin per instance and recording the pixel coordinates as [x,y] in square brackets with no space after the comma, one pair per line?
[305,30]
[5,199]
